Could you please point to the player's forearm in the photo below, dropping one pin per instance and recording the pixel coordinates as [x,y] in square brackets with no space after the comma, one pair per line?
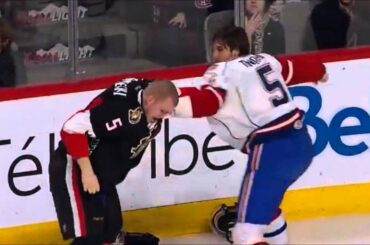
[297,70]
[85,166]
[199,102]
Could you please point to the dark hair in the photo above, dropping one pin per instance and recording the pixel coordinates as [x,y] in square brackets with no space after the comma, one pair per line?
[234,37]
[268,4]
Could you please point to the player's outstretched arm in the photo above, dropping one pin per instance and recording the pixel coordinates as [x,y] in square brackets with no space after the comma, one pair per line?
[199,102]
[298,70]
[203,101]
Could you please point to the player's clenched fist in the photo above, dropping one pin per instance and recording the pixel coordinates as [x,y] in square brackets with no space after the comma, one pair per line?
[90,183]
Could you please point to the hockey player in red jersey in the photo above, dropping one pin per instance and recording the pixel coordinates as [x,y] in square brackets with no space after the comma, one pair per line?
[247,104]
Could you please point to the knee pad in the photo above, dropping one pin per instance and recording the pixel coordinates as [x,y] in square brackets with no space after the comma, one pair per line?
[246,233]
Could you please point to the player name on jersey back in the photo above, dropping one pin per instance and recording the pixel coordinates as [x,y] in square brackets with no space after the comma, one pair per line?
[251,60]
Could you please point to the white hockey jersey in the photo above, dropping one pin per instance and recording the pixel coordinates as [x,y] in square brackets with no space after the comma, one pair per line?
[256,96]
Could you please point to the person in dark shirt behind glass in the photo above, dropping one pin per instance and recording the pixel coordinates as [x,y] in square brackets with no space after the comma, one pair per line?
[7,66]
[330,21]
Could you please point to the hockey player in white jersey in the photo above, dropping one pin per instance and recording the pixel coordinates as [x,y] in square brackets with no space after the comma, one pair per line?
[248,105]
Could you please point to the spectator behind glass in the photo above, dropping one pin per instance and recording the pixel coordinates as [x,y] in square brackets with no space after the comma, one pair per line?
[265,34]
[361,22]
[187,13]
[330,22]
[178,31]
[276,9]
[7,66]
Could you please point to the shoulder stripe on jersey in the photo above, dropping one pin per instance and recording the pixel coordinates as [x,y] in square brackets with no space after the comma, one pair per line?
[290,72]
[219,97]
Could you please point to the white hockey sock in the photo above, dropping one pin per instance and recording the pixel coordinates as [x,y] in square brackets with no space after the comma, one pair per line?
[276,232]
[247,234]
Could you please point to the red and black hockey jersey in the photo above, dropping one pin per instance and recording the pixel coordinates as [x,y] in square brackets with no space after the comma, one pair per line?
[112,130]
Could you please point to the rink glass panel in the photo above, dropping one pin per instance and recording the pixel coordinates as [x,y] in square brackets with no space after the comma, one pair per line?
[118,36]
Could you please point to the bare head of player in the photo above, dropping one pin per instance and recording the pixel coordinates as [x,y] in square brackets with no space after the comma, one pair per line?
[160,99]
[229,43]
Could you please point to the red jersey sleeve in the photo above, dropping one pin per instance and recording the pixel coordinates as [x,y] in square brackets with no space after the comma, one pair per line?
[297,70]
[199,102]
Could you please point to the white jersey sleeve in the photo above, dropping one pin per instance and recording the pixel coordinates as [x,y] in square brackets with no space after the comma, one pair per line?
[215,76]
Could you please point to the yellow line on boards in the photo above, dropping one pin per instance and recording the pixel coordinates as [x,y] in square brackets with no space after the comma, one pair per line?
[187,218]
